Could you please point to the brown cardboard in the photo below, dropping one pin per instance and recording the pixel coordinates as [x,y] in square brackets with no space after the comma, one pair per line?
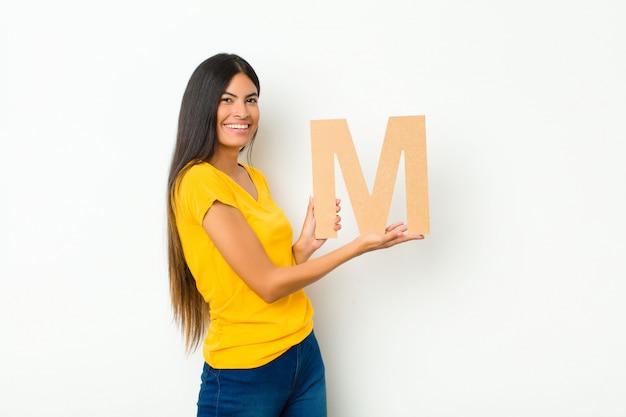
[405,135]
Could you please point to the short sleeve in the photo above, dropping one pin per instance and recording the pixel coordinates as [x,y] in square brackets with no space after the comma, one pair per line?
[199,188]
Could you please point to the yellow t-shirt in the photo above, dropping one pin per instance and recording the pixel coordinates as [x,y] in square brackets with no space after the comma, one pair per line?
[245,331]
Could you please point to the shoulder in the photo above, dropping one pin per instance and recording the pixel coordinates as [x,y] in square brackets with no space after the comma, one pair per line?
[202,178]
[198,171]
[199,186]
[199,174]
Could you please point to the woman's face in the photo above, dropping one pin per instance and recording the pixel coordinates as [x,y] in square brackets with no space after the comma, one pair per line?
[238,113]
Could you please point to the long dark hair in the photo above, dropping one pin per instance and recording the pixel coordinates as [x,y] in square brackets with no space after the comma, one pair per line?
[196,142]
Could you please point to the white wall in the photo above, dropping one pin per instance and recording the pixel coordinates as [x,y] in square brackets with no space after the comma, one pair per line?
[513,306]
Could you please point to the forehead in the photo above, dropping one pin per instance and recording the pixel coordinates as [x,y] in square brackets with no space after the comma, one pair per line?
[241,84]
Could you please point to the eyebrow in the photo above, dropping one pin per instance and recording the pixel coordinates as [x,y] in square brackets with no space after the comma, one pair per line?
[255,94]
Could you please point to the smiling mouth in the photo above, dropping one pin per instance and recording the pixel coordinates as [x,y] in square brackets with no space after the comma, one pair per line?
[237,126]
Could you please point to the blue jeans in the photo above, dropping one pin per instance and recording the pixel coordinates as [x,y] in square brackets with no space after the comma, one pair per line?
[292,385]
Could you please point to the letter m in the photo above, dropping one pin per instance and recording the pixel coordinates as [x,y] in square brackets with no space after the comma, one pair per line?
[406,134]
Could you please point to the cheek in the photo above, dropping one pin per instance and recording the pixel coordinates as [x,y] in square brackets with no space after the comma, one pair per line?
[221,113]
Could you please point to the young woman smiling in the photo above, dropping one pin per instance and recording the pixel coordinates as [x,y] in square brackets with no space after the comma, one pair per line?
[236,278]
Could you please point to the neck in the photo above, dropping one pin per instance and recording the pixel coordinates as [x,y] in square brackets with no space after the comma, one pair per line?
[226,162]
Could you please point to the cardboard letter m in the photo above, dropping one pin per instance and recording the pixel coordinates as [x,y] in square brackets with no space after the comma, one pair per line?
[406,134]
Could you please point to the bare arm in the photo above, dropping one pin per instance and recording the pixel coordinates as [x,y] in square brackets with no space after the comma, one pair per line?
[243,251]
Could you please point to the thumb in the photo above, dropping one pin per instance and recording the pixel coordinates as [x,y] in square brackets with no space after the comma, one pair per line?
[311,206]
[309,210]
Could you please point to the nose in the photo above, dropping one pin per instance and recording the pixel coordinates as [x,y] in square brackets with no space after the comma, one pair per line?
[241,110]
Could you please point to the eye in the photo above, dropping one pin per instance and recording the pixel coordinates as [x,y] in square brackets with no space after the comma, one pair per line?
[253,100]
[226,99]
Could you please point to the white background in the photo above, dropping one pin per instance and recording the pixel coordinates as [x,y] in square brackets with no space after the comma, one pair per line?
[514,305]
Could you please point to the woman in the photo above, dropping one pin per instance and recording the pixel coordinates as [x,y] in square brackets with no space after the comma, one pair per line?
[237,281]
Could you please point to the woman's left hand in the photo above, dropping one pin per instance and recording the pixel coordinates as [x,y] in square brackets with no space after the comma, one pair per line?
[307,243]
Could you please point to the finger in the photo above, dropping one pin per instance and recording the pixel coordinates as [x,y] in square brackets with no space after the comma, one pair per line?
[403,238]
[399,229]
[393,226]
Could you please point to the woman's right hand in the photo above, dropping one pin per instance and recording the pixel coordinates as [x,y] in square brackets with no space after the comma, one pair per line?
[394,234]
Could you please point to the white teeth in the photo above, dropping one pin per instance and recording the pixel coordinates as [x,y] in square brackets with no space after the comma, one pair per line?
[233,126]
